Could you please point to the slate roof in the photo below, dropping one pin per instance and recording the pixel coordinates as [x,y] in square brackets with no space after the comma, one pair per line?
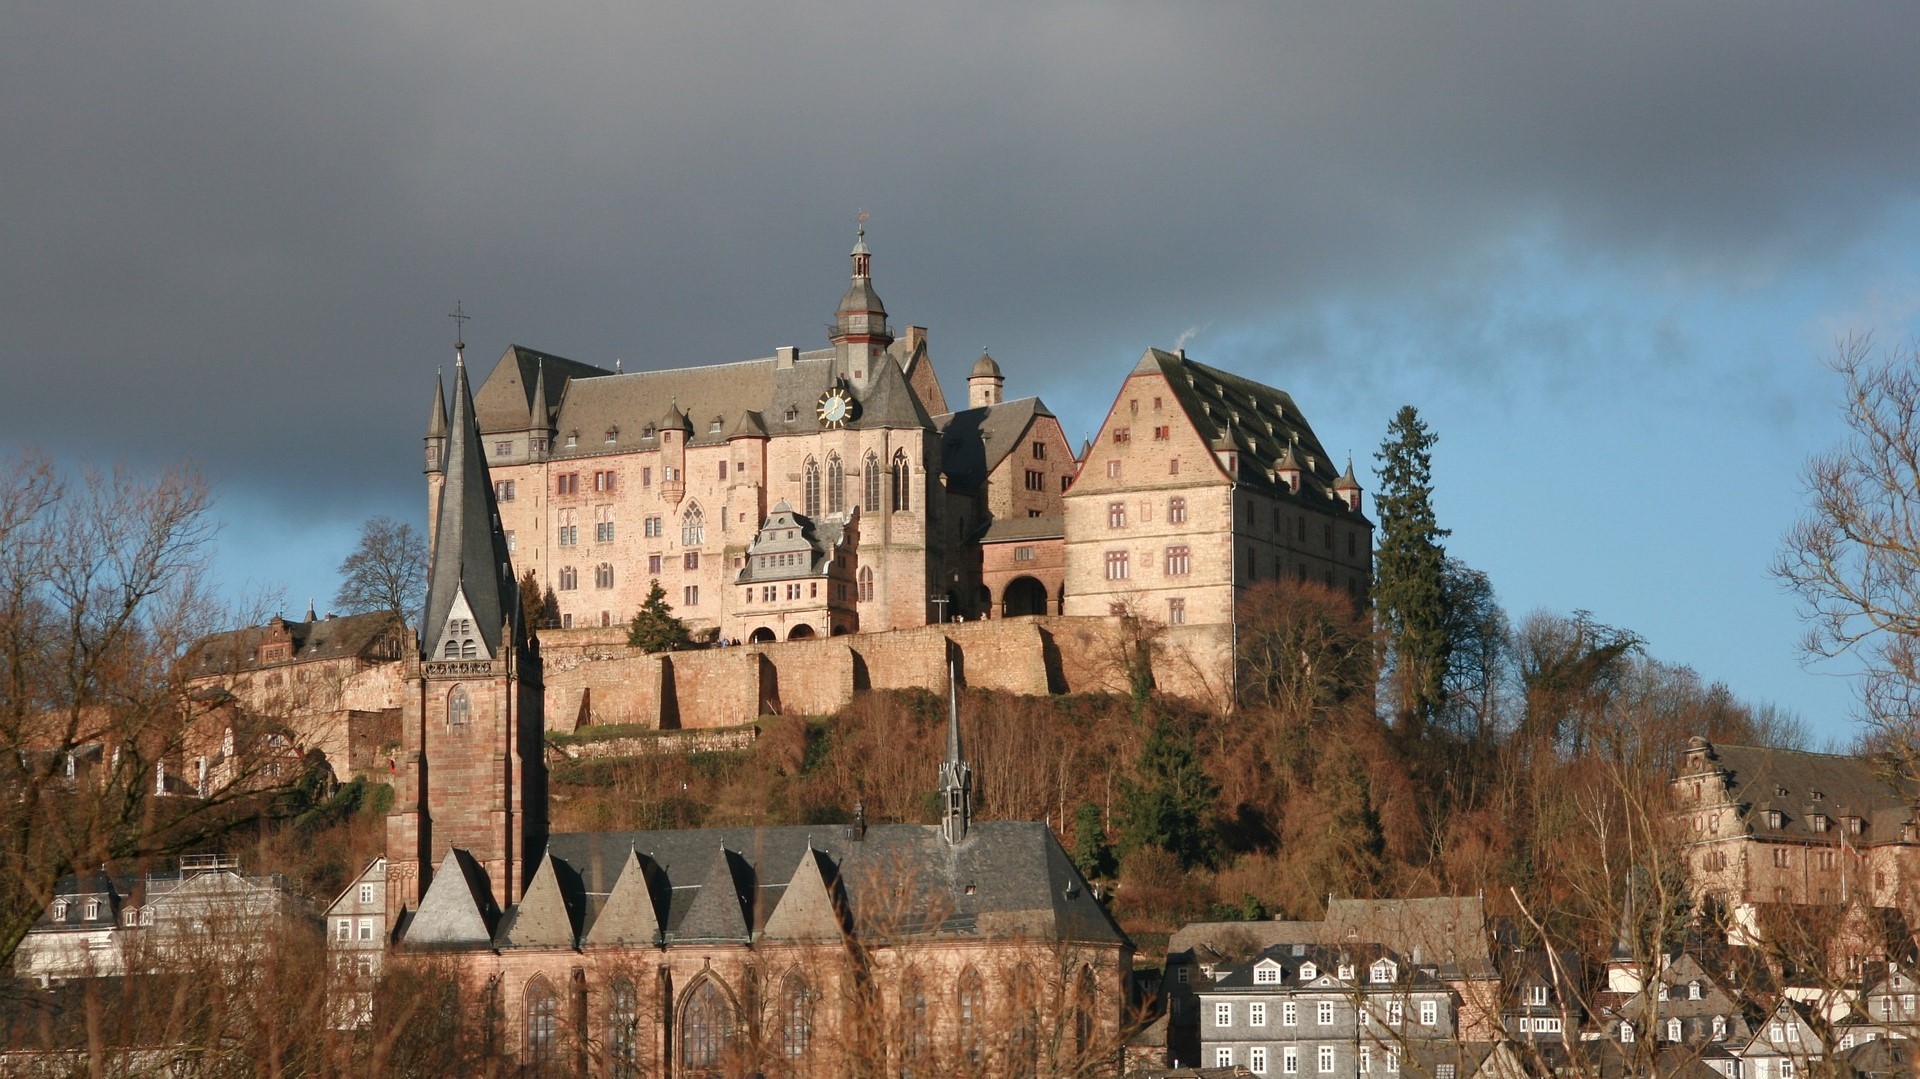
[1257,421]
[1326,960]
[469,547]
[333,637]
[1007,879]
[1761,778]
[505,401]
[975,440]
[1447,931]
[1014,529]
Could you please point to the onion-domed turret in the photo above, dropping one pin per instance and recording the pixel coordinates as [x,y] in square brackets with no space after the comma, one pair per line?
[860,334]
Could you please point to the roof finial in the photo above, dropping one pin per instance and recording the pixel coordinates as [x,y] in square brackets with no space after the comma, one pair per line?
[459,318]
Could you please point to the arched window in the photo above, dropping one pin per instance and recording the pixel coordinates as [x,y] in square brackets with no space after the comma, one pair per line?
[569,578]
[469,649]
[458,708]
[915,1039]
[1023,1026]
[866,584]
[872,503]
[810,489]
[693,526]
[603,575]
[796,1017]
[543,1021]
[836,485]
[706,1026]
[972,1000]
[1083,1006]
[902,475]
[623,1029]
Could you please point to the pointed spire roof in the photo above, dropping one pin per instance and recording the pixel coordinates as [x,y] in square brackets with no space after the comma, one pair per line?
[807,908]
[631,915]
[437,419]
[719,912]
[1346,482]
[548,916]
[469,568]
[890,402]
[676,420]
[539,417]
[749,425]
[1289,461]
[956,776]
[458,910]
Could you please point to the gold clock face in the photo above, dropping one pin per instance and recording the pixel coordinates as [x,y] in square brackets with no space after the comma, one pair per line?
[836,407]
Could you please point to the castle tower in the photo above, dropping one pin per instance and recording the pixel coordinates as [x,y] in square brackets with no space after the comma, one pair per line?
[860,335]
[956,775]
[986,385]
[1347,489]
[472,772]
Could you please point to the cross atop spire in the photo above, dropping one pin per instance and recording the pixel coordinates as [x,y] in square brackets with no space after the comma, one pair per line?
[460,319]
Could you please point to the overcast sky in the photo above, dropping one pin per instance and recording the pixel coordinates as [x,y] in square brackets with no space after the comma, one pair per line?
[1603,248]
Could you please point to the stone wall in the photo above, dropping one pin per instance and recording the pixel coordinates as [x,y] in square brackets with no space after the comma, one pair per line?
[594,679]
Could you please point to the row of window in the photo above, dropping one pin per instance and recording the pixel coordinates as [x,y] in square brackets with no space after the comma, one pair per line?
[1325,1057]
[1176,512]
[1178,562]
[343,929]
[1324,1013]
[1675,1031]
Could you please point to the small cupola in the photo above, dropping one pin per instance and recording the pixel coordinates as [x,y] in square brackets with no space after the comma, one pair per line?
[986,386]
[1347,489]
[1287,471]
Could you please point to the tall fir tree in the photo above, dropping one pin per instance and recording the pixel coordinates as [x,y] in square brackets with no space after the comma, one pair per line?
[655,628]
[1409,592]
[1168,803]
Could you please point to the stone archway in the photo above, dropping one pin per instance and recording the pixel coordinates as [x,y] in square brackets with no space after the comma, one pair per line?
[800,632]
[1024,596]
[763,635]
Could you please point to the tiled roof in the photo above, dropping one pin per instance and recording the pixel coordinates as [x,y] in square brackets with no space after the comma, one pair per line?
[975,440]
[333,637]
[1801,784]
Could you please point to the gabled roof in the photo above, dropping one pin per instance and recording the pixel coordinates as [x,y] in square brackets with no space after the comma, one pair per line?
[890,402]
[359,636]
[975,440]
[458,909]
[505,400]
[1446,931]
[549,914]
[469,549]
[1762,778]
[807,909]
[631,914]
[721,909]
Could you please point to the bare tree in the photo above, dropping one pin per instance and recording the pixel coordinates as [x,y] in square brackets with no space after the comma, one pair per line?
[1854,558]
[387,570]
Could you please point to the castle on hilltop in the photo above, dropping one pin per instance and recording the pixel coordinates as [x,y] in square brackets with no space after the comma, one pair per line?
[835,491]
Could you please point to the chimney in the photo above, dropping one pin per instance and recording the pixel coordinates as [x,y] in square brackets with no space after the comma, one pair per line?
[784,357]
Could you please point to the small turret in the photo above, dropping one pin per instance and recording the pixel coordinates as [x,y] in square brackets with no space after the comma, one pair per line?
[437,427]
[860,334]
[1347,489]
[986,385]
[956,775]
[539,416]
[1288,470]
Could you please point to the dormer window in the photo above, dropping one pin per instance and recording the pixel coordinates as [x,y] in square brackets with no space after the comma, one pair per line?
[573,439]
[1267,973]
[792,413]
[130,918]
[714,427]
[1663,992]
[1308,972]
[1693,990]
[1779,792]
[60,910]
[92,909]
[1626,1033]
[648,433]
[1346,972]
[613,434]
[1776,819]
[1855,824]
[1819,822]
[1382,972]
[1816,796]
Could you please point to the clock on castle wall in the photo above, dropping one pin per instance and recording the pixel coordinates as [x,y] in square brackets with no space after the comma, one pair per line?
[836,407]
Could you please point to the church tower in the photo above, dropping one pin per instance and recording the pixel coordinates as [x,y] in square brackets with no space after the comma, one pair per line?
[472,770]
[860,335]
[956,775]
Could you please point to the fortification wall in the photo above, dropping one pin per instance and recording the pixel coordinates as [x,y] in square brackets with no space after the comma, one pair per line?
[594,679]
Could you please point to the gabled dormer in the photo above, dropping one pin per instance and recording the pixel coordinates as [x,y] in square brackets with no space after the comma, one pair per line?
[1267,972]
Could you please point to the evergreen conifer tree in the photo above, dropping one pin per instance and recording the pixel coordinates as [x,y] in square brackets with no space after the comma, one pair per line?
[1409,567]
[654,627]
[1090,850]
[1168,803]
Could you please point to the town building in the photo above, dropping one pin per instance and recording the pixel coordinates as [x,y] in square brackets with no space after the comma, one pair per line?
[1200,484]
[206,912]
[937,946]
[1786,1046]
[356,928]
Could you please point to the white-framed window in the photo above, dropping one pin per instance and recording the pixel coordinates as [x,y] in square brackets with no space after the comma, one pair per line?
[366,894]
[130,918]
[1256,1014]
[1429,1013]
[1786,1069]
[1289,1014]
[1326,1060]
[1325,1011]
[1626,1033]
[1180,974]
[1693,990]
[1537,995]
[1346,972]
[1382,973]
[1222,1057]
[1663,992]
[1366,1060]
[93,909]
[1673,1030]
[1719,1028]
[1257,1060]
[1393,1059]
[1289,1061]
[1223,1015]
[1793,1029]
[1308,971]
[1396,1011]
[1267,973]
[343,929]
[366,929]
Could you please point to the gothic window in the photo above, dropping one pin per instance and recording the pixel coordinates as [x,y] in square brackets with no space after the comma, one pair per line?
[693,527]
[603,575]
[706,1026]
[972,1004]
[543,1015]
[1023,1031]
[836,485]
[1083,1005]
[810,489]
[796,1017]
[866,584]
[623,1029]
[902,475]
[458,708]
[916,1038]
[872,503]
[569,578]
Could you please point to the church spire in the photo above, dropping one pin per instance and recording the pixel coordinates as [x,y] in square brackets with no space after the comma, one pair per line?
[437,426]
[472,599]
[860,334]
[956,776]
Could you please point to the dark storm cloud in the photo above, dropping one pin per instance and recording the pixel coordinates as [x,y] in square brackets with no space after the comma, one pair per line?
[231,229]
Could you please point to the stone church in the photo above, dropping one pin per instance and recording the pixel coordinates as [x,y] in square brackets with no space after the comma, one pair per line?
[807,493]
[968,946]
